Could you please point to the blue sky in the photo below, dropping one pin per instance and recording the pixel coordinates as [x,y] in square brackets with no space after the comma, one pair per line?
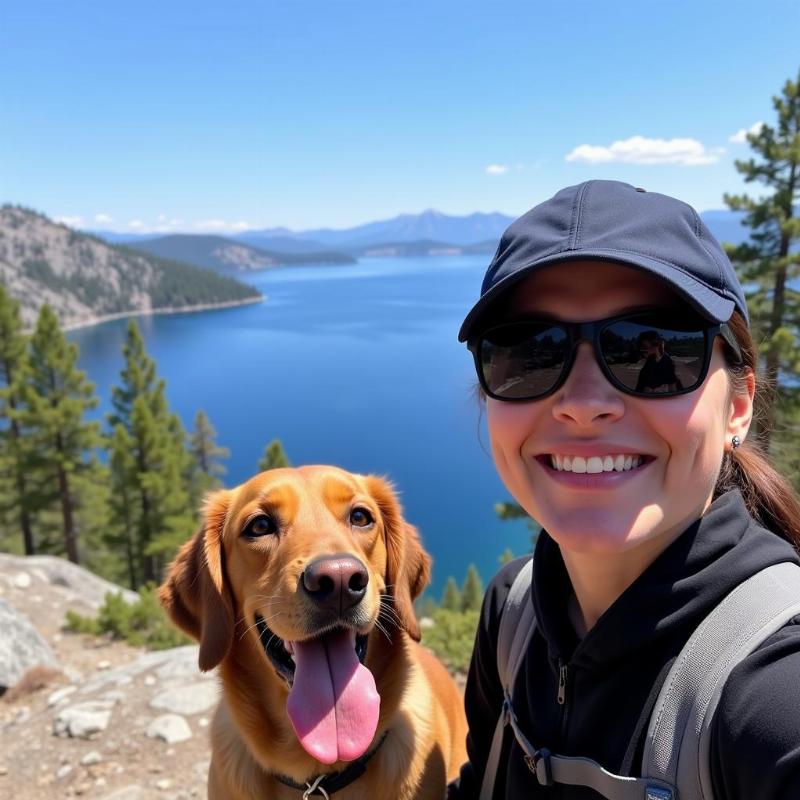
[191,116]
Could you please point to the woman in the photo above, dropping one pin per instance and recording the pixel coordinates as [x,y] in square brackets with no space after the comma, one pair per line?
[650,500]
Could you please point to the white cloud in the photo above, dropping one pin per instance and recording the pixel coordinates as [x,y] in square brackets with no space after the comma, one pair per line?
[740,137]
[211,225]
[641,150]
[496,169]
[136,224]
[241,226]
[73,222]
[162,218]
[103,219]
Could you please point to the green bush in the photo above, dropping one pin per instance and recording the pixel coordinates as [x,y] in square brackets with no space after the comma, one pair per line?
[452,637]
[142,624]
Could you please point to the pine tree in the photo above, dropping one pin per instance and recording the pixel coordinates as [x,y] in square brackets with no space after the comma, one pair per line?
[274,456]
[770,259]
[506,556]
[472,590]
[15,498]
[205,455]
[451,599]
[149,466]
[55,397]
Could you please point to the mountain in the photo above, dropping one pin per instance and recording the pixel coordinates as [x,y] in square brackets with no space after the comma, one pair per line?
[423,248]
[429,225]
[221,253]
[85,279]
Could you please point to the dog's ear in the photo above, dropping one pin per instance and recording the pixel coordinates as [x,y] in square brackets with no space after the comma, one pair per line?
[408,566]
[194,594]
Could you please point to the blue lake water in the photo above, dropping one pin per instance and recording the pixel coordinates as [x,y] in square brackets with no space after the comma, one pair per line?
[353,365]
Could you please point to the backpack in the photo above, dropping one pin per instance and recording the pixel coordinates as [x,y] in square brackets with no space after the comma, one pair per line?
[675,763]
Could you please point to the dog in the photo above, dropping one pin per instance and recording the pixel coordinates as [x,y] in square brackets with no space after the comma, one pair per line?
[300,587]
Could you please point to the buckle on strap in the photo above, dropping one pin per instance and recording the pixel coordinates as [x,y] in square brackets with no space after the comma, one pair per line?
[539,765]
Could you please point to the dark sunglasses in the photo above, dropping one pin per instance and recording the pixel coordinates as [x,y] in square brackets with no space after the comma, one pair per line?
[647,353]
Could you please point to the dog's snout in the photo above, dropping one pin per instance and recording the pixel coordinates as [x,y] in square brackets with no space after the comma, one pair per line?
[335,582]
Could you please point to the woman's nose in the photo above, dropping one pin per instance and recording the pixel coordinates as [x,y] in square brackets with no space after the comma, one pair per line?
[587,397]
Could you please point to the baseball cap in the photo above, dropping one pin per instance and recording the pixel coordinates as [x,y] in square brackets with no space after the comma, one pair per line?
[614,221]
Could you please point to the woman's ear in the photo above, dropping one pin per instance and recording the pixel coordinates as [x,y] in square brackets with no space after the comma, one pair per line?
[194,593]
[408,565]
[740,413]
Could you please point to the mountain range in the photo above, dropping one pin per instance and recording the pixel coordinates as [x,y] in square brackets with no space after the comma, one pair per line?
[427,234]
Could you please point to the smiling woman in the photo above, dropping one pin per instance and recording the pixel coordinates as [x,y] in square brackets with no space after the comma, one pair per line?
[612,348]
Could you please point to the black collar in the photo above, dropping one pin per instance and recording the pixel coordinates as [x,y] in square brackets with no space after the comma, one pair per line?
[330,782]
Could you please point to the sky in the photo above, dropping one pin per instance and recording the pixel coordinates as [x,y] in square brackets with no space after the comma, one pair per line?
[199,117]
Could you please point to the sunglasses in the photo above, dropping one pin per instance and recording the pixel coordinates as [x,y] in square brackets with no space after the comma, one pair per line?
[646,353]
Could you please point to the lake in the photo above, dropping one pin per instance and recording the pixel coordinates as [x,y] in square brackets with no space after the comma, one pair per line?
[354,365]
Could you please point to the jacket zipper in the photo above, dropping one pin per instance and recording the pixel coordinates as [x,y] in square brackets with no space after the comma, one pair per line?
[562,682]
[563,677]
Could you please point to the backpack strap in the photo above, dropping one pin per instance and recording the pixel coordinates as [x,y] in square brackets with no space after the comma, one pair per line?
[517,622]
[677,748]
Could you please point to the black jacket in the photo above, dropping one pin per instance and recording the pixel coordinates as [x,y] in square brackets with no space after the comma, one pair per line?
[614,674]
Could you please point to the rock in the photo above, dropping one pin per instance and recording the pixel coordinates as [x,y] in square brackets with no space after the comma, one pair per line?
[21,646]
[169,727]
[92,757]
[64,771]
[22,580]
[164,784]
[104,665]
[83,719]
[88,588]
[60,695]
[191,699]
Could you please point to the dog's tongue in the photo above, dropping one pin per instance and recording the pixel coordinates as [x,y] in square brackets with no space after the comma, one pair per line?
[333,703]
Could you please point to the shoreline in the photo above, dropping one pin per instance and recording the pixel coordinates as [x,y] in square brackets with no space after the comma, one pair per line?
[92,321]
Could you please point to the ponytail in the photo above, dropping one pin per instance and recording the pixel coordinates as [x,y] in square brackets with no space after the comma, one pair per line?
[769,497]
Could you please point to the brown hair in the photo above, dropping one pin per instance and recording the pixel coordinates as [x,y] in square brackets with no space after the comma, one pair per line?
[769,497]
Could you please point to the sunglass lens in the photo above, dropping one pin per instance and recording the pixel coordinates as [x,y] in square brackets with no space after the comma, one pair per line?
[653,357]
[522,361]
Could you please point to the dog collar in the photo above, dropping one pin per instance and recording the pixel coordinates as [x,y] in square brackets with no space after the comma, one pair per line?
[329,782]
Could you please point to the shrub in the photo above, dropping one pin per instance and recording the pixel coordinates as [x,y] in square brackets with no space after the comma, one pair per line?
[142,624]
[452,637]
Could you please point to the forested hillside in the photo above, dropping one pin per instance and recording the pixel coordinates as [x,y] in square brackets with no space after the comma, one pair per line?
[84,279]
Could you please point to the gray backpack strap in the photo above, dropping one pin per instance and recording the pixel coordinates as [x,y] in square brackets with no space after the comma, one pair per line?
[517,622]
[678,738]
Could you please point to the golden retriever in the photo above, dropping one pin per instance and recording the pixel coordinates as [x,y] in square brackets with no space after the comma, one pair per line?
[300,585]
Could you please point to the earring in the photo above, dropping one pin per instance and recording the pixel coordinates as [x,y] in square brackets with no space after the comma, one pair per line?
[735,442]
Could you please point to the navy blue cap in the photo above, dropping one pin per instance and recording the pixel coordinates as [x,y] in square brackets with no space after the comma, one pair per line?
[614,221]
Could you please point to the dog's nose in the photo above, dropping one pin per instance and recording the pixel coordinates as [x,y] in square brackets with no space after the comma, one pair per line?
[335,582]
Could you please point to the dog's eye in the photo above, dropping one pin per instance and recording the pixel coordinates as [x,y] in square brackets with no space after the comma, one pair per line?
[361,518]
[260,526]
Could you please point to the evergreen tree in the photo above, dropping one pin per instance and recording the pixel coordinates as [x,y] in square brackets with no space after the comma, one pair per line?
[274,456]
[205,456]
[472,590]
[15,501]
[149,465]
[123,500]
[451,599]
[506,556]
[55,397]
[770,260]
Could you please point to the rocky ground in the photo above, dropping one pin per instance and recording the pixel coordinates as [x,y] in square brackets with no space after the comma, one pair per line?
[107,720]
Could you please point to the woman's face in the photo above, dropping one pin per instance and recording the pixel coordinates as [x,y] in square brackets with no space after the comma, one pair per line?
[681,440]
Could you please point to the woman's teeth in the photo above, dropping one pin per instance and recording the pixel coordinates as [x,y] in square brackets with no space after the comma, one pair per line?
[610,463]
